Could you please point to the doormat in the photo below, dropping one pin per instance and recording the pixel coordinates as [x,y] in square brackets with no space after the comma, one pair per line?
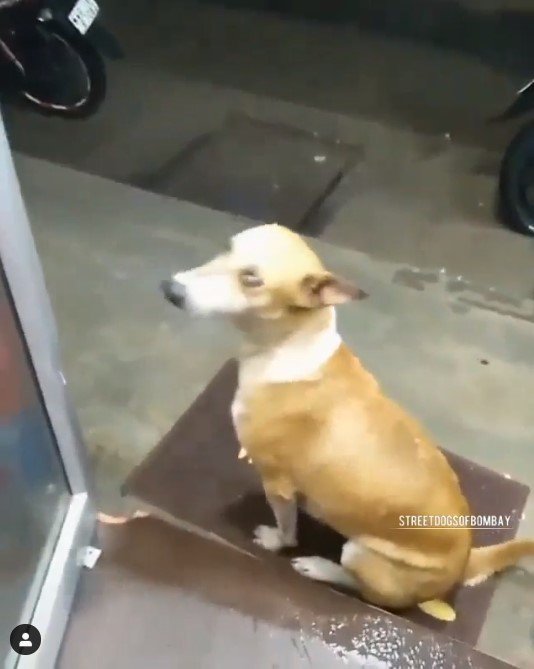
[195,476]
[263,171]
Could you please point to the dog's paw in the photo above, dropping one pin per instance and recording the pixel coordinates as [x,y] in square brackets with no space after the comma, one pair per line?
[268,538]
[317,568]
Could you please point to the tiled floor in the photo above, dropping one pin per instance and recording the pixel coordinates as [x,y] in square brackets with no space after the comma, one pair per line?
[188,602]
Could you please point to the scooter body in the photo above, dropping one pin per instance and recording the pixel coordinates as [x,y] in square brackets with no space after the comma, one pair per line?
[516,179]
[52,46]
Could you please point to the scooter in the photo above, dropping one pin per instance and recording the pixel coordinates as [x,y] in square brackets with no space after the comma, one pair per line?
[51,55]
[516,179]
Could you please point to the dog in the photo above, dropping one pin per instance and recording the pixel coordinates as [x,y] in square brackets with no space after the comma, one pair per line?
[320,431]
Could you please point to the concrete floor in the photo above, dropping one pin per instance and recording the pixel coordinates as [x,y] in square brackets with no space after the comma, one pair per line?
[135,364]
[424,190]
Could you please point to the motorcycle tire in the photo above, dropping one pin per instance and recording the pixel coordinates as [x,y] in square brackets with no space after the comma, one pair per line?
[95,72]
[516,182]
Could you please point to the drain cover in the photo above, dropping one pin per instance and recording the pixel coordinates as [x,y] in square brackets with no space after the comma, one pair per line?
[263,171]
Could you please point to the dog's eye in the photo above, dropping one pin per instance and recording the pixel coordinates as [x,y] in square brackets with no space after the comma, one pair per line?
[250,278]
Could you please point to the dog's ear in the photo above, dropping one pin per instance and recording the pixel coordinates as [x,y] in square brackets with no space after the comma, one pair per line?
[327,290]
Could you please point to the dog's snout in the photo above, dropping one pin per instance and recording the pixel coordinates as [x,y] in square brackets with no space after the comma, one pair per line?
[174,292]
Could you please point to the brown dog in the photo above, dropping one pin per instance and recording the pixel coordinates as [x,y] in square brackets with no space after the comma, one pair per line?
[318,428]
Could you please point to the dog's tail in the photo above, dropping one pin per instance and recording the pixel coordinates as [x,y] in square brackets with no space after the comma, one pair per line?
[483,562]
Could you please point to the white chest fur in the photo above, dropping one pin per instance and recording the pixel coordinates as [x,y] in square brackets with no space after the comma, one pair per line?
[236,410]
[299,358]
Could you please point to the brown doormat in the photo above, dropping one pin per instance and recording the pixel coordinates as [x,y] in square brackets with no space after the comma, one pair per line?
[264,171]
[194,475]
[161,597]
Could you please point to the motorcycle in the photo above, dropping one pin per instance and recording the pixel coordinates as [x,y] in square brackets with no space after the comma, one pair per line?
[50,55]
[516,179]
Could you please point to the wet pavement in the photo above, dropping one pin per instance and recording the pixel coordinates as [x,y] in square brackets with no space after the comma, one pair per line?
[135,364]
[410,95]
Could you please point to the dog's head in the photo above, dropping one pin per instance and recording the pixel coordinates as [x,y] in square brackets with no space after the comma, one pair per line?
[267,272]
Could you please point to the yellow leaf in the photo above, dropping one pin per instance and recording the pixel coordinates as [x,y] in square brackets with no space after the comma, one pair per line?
[112,520]
[439,609]
[106,519]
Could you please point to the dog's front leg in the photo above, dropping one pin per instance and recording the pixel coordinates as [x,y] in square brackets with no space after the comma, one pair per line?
[284,535]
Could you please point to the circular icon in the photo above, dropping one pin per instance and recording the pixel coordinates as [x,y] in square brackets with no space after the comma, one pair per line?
[25,639]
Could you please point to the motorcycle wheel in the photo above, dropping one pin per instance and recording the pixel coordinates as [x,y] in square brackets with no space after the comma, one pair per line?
[516,182]
[56,93]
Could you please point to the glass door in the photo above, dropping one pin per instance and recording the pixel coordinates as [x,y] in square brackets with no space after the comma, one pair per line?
[46,517]
[33,490]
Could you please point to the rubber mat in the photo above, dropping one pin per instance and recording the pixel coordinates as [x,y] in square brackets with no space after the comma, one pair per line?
[194,475]
[266,172]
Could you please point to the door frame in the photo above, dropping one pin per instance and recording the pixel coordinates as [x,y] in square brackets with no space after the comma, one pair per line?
[26,283]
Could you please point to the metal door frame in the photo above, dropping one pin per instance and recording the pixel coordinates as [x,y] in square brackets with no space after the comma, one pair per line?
[26,284]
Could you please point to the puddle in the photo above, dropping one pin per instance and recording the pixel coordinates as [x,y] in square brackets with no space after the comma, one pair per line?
[463,295]
[414,278]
